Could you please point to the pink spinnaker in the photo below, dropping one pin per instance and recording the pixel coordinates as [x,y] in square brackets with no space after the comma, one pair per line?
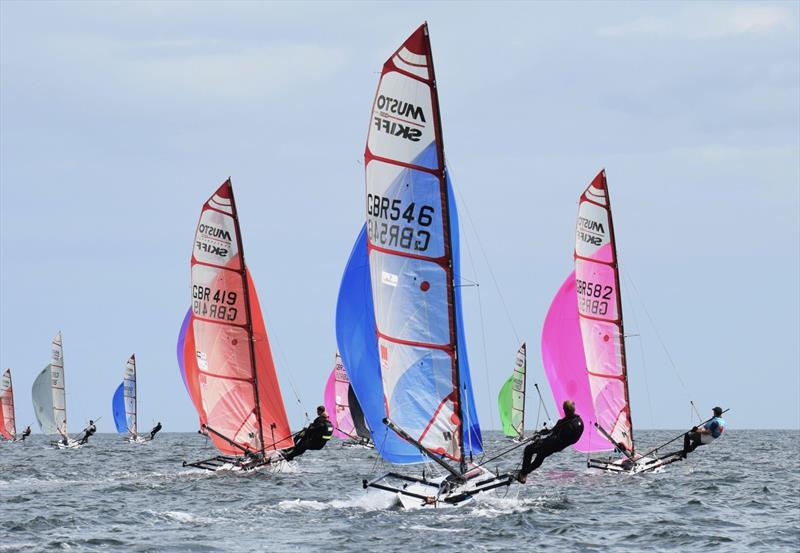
[565,364]
[337,403]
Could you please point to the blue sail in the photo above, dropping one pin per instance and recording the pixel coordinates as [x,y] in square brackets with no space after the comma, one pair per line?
[356,334]
[181,346]
[118,408]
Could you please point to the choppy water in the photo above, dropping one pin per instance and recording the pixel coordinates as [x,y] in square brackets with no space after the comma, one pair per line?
[740,494]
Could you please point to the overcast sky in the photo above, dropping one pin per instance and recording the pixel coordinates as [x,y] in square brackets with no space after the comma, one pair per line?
[118,120]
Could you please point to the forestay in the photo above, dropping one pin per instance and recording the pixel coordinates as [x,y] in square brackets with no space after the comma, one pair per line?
[8,425]
[511,399]
[48,395]
[237,392]
[600,312]
[398,284]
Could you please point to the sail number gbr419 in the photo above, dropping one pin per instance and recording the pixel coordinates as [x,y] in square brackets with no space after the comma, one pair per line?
[219,305]
[391,223]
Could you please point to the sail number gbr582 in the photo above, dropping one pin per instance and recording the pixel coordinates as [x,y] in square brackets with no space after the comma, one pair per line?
[593,298]
[219,305]
[391,223]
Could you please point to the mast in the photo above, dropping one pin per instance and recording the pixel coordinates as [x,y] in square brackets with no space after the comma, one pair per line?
[448,245]
[135,398]
[249,319]
[615,265]
[524,387]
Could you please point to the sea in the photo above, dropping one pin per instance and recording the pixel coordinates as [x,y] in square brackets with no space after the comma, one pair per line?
[741,493]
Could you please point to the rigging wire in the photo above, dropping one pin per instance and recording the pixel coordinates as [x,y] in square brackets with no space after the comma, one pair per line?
[632,310]
[276,340]
[658,336]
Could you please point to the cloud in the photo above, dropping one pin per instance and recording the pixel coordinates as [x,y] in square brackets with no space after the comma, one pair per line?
[708,23]
[196,69]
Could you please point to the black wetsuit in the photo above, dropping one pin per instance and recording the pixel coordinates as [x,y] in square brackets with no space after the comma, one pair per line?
[566,432]
[156,429]
[90,430]
[26,433]
[315,437]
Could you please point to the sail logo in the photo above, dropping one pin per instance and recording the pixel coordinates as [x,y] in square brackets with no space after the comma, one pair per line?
[384,357]
[399,118]
[214,232]
[589,231]
[399,107]
[211,249]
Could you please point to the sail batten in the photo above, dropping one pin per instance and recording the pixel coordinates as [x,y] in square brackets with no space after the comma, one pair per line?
[223,347]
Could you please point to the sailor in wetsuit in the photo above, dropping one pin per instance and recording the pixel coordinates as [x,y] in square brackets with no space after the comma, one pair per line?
[156,429]
[566,432]
[315,436]
[26,433]
[88,432]
[706,434]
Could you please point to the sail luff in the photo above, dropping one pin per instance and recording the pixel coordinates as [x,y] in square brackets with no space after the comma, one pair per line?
[448,244]
[524,351]
[248,315]
[623,357]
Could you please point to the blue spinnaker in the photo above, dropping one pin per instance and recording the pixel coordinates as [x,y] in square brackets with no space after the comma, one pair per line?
[181,347]
[118,408]
[356,334]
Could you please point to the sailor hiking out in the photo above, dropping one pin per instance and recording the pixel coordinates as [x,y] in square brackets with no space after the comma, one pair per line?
[705,434]
[156,429]
[315,436]
[566,432]
[26,433]
[88,432]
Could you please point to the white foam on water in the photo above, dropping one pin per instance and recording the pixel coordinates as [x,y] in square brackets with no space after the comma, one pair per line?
[184,517]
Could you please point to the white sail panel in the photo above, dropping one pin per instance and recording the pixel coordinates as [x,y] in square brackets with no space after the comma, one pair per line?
[402,123]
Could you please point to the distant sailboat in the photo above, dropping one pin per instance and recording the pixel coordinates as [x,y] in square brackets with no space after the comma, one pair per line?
[230,375]
[342,406]
[8,425]
[583,341]
[511,400]
[124,404]
[398,322]
[50,399]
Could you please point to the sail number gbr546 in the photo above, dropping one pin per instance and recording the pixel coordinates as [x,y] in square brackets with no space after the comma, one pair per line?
[219,305]
[391,223]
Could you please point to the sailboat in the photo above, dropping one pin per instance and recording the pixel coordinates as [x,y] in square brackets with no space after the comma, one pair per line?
[398,323]
[50,399]
[230,374]
[511,400]
[342,406]
[124,404]
[583,342]
[8,425]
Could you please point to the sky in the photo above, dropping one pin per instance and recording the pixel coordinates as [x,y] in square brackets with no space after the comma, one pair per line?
[119,119]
